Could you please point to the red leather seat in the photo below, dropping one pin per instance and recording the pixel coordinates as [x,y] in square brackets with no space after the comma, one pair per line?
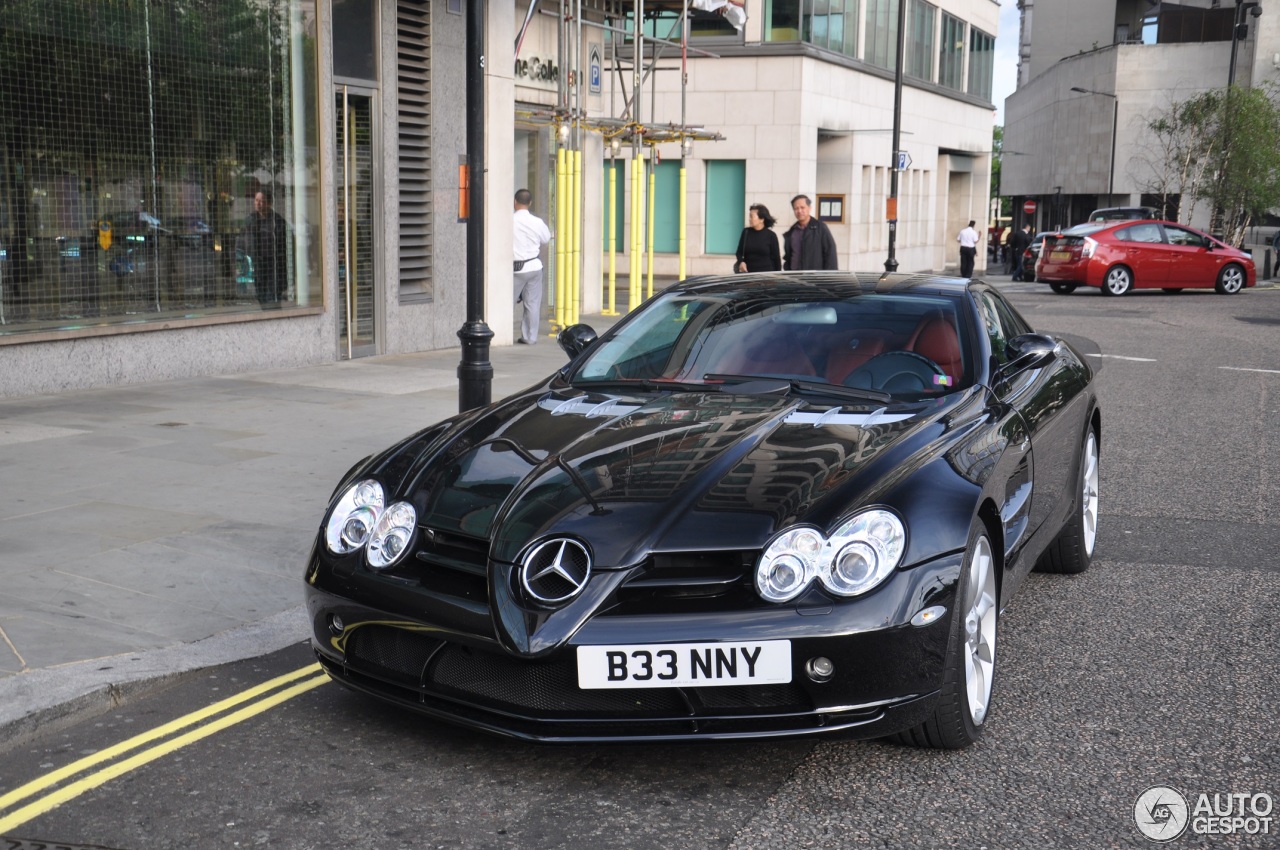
[936,338]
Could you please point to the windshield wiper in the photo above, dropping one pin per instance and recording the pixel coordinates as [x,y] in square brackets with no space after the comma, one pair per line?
[645,384]
[776,384]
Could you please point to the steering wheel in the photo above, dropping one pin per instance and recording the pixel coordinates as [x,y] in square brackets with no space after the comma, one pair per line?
[896,372]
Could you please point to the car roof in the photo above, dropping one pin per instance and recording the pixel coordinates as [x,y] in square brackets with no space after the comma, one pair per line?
[803,284]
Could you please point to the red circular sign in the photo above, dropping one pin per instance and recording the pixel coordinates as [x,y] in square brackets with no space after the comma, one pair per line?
[1029,207]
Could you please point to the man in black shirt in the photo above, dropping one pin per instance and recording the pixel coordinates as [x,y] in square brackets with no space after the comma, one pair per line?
[1018,243]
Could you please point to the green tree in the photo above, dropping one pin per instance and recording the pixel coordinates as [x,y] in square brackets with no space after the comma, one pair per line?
[1217,148]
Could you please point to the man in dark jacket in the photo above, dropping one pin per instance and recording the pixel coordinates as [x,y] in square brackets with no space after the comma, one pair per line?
[266,238]
[808,244]
[1018,243]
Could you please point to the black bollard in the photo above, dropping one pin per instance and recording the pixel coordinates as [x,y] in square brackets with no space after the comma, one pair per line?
[1266,264]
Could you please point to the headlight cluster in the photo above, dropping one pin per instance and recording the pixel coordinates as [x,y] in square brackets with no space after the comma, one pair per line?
[858,556]
[360,518]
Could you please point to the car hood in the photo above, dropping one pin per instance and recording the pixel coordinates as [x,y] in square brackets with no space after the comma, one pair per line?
[629,475]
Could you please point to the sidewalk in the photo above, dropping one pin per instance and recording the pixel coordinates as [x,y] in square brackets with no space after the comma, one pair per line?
[148,530]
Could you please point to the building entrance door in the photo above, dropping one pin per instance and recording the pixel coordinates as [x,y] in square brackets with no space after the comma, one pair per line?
[358,313]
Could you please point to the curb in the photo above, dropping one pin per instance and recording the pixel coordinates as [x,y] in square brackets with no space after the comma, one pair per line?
[55,697]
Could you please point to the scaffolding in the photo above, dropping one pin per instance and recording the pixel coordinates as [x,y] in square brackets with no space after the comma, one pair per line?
[630,49]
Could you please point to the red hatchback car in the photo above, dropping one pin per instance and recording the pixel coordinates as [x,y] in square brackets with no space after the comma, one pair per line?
[1118,256]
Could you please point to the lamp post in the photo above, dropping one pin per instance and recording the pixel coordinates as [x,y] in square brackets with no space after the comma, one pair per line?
[1115,118]
[891,263]
[1239,30]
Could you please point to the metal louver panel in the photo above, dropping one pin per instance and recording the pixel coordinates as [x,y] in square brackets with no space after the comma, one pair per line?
[413,74]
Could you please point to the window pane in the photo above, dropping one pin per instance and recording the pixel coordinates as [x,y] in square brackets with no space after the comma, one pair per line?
[782,20]
[982,49]
[920,23]
[726,204]
[951,53]
[147,153]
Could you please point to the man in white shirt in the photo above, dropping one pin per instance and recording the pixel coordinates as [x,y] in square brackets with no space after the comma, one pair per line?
[529,234]
[968,240]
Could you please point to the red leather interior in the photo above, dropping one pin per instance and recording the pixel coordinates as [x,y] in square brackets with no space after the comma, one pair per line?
[936,338]
[852,349]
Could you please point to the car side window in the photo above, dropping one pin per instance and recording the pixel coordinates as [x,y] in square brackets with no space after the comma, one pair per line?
[991,324]
[1182,236]
[1140,233]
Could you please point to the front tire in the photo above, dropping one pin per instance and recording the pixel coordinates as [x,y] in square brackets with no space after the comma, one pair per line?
[1072,550]
[1119,280]
[1062,287]
[1230,280]
[965,699]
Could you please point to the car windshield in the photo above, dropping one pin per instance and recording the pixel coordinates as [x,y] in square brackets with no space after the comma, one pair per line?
[888,345]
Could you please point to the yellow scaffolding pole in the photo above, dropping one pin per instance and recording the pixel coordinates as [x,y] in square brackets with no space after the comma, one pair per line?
[574,307]
[683,207]
[637,192]
[562,223]
[612,309]
[653,195]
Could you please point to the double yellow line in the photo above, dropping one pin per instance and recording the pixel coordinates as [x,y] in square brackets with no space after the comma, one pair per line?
[272,693]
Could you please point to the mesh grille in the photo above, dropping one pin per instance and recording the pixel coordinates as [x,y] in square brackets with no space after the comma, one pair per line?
[413,78]
[550,687]
[396,654]
[788,697]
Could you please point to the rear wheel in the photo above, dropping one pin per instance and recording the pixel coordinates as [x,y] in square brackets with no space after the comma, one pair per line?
[1230,279]
[1072,550]
[965,698]
[1119,280]
[1062,287]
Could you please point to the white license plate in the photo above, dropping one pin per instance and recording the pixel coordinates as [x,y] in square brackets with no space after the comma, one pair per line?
[670,665]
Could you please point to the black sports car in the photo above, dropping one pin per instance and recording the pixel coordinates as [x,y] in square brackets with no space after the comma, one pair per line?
[769,504]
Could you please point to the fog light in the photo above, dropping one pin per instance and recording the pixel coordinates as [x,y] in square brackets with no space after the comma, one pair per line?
[335,624]
[820,669]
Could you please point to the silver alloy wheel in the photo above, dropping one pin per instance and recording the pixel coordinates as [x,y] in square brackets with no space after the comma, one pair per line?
[980,629]
[1089,498]
[1119,280]
[1232,280]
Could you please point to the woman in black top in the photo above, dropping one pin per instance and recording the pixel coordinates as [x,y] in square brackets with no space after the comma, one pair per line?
[758,246]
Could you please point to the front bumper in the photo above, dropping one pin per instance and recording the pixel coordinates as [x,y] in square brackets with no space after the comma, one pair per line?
[887,671]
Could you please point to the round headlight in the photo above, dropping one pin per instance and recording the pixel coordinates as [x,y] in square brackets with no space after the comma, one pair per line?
[353,518]
[868,547]
[781,578]
[391,535]
[853,565]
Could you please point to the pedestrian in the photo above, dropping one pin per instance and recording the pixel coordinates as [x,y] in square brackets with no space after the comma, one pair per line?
[758,244]
[266,241]
[968,239]
[1018,244]
[1005,234]
[529,234]
[808,244]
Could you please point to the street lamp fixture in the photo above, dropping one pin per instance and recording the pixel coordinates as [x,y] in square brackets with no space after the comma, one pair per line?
[1240,30]
[1115,119]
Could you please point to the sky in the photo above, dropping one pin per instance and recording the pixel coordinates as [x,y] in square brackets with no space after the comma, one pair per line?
[1006,73]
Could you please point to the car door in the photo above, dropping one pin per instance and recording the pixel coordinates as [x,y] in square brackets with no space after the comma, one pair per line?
[1192,263]
[1145,252]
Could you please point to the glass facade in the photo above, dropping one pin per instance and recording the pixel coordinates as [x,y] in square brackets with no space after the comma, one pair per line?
[157,161]
[982,63]
[829,24]
[951,53]
[882,28]
[921,19]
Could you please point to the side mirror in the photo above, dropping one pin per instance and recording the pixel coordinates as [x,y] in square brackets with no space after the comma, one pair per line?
[1029,351]
[574,339]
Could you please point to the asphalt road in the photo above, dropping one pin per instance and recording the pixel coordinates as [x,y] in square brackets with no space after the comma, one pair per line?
[1157,667]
